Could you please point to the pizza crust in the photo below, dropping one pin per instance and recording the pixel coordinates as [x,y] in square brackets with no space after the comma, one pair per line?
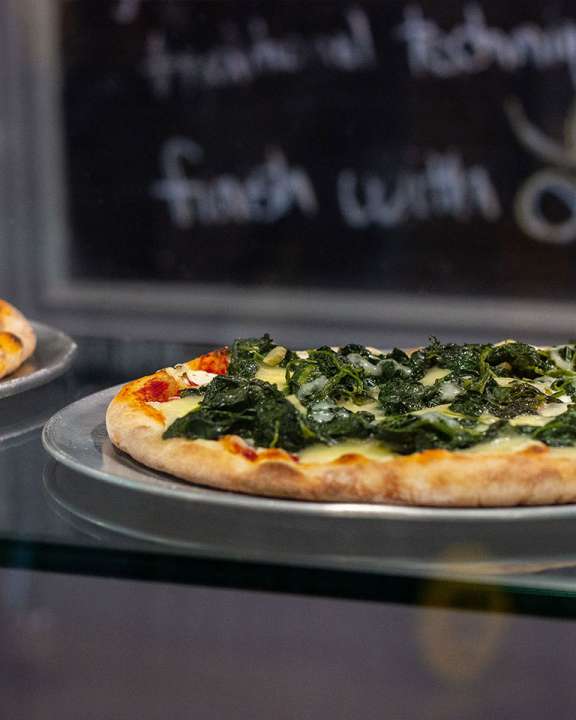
[17,339]
[536,475]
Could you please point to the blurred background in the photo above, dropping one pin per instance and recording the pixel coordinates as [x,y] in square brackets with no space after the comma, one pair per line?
[363,171]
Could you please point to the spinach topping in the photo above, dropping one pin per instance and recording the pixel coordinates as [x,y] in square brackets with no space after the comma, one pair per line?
[461,360]
[511,359]
[405,434]
[253,409]
[246,356]
[326,373]
[257,411]
[502,402]
[518,360]
[559,432]
[331,423]
[474,390]
[399,396]
[567,353]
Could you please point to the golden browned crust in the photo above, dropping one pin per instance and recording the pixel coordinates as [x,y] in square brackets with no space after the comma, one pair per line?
[17,339]
[536,475]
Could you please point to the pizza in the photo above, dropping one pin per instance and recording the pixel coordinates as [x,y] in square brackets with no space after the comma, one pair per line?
[17,339]
[463,425]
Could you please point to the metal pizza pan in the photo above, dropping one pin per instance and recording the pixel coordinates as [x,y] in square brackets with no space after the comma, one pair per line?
[123,495]
[53,356]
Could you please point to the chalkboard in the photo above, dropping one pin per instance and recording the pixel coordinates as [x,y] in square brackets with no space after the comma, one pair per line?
[198,170]
[354,149]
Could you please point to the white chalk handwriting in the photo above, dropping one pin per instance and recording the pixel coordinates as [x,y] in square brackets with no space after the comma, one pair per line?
[444,188]
[546,185]
[473,46]
[244,54]
[266,194]
[556,183]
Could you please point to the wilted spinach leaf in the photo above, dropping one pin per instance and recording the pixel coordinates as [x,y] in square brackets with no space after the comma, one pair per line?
[240,404]
[461,360]
[503,402]
[559,432]
[325,374]
[399,396]
[253,409]
[519,360]
[407,434]
[247,355]
[332,422]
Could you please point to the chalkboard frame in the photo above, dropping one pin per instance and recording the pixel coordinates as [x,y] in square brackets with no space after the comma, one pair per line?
[35,235]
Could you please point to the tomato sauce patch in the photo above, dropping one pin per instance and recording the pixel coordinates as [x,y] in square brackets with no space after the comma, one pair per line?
[214,362]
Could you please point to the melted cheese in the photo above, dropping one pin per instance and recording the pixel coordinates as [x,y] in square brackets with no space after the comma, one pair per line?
[444,409]
[371,407]
[174,409]
[273,375]
[297,404]
[558,360]
[505,381]
[275,356]
[503,445]
[183,374]
[552,410]
[535,420]
[545,414]
[327,453]
[373,449]
[449,391]
[435,373]
[543,384]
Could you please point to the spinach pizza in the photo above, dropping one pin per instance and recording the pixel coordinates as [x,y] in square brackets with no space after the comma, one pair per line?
[444,425]
[17,339]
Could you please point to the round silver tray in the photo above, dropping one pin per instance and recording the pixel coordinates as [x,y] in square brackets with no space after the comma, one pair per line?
[124,496]
[52,357]
[76,436]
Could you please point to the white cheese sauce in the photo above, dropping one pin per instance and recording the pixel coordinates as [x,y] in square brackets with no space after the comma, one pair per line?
[174,409]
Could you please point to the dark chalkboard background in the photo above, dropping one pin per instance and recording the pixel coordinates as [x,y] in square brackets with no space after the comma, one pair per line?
[380,120]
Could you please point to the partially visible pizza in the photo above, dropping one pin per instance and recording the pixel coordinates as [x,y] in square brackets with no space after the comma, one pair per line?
[444,425]
[17,339]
